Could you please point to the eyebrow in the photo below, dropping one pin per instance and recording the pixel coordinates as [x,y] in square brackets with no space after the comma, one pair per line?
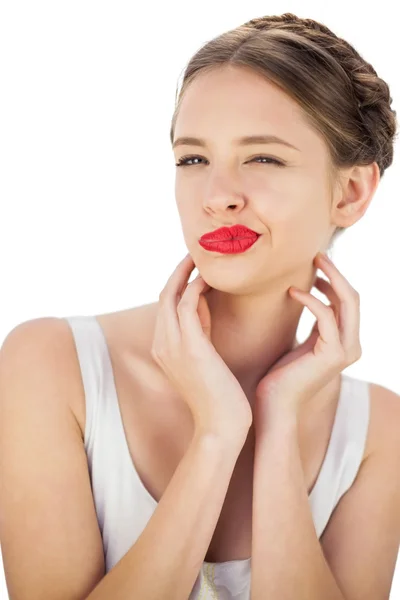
[243,141]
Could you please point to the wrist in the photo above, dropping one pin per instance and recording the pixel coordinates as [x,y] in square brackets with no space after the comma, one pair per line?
[221,439]
[275,415]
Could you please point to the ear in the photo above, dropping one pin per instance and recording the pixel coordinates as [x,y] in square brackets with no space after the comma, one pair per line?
[354,194]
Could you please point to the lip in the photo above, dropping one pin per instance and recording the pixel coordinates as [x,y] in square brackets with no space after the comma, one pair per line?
[224,234]
[229,240]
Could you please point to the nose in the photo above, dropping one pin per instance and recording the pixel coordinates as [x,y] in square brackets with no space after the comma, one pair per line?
[223,199]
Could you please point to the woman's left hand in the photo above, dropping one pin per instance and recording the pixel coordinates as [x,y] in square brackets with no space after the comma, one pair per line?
[332,345]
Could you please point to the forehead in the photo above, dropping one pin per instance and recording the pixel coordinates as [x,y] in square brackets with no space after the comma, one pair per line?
[233,97]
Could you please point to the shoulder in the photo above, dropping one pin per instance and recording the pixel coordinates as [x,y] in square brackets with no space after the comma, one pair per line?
[369,538]
[131,329]
[42,351]
[385,416]
[36,338]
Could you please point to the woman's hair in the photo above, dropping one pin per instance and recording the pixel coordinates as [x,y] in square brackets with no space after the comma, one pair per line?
[340,93]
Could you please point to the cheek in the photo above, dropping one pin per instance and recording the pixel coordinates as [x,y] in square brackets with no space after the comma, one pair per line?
[304,228]
[296,213]
[188,209]
[193,222]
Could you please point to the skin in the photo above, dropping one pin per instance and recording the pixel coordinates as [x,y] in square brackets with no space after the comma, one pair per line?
[254,318]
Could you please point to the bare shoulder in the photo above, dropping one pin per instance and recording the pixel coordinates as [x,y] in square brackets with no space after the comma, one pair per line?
[42,333]
[385,415]
[128,334]
[44,468]
[131,329]
[361,546]
[47,339]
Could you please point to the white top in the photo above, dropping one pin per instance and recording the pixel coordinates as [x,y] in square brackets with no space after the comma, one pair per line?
[123,504]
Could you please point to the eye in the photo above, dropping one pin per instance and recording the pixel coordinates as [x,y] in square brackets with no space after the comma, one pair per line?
[183,161]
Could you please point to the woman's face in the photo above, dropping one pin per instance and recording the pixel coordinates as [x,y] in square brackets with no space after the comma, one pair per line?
[226,184]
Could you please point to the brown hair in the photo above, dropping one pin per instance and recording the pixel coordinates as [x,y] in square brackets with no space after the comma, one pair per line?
[340,93]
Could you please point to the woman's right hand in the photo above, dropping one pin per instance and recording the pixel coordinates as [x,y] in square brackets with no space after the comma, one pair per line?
[183,349]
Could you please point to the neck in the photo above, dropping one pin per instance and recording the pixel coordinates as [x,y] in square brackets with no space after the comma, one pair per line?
[252,332]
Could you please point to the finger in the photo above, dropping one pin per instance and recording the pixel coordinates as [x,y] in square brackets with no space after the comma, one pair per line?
[167,331]
[325,287]
[193,324]
[179,278]
[327,325]
[349,305]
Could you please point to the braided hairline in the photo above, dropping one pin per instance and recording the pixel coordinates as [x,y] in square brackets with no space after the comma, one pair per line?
[371,139]
[372,99]
[321,35]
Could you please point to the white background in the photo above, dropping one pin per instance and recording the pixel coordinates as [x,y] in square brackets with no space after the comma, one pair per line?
[87,171]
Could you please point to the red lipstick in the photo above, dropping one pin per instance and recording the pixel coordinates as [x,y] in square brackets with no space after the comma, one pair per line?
[229,240]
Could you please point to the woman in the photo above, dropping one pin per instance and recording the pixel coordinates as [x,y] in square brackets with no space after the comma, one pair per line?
[192,447]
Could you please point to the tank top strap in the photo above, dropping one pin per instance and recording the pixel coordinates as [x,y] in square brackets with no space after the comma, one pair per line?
[354,421]
[91,351]
[345,451]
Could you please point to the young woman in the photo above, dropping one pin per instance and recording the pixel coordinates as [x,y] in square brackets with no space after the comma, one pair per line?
[192,448]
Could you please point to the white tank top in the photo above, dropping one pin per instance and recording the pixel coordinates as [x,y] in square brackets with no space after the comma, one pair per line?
[123,504]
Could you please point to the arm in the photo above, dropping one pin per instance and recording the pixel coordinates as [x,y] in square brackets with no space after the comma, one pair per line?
[356,557]
[166,559]
[51,543]
[287,559]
